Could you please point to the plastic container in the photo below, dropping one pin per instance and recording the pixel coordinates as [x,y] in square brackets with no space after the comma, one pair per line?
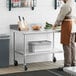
[39,46]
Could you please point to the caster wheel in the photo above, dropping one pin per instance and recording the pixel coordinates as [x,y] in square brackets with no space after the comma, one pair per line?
[25,68]
[15,63]
[32,8]
[54,59]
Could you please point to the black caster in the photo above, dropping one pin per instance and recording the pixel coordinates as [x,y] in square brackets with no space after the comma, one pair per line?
[25,68]
[15,63]
[54,59]
[32,8]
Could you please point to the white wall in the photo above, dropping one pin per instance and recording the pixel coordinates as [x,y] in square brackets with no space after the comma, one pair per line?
[44,11]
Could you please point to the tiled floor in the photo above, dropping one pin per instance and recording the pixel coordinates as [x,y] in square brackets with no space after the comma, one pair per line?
[31,67]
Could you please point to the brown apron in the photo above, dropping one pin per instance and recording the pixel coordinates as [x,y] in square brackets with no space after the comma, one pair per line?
[75,37]
[65,32]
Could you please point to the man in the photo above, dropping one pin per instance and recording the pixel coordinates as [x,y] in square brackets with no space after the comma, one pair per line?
[66,19]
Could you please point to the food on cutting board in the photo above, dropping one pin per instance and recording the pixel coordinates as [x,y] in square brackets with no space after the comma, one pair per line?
[58,27]
[48,26]
[36,27]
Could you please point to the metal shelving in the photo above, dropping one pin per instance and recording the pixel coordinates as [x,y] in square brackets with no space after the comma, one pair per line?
[21,4]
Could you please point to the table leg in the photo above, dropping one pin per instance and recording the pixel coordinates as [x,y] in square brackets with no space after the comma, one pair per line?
[25,67]
[54,58]
[15,61]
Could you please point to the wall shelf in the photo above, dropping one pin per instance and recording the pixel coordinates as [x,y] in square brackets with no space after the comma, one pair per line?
[22,4]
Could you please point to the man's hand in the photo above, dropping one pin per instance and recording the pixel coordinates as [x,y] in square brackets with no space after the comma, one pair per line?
[54,27]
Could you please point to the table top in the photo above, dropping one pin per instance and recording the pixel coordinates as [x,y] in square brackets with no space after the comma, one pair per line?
[14,28]
[70,70]
[36,31]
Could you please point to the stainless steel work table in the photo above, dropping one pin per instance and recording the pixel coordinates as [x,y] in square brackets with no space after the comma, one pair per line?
[24,33]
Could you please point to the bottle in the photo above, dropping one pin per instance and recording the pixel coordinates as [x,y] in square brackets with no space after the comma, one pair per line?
[13,3]
[19,3]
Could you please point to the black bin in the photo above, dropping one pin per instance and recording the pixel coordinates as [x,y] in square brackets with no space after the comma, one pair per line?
[4,50]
